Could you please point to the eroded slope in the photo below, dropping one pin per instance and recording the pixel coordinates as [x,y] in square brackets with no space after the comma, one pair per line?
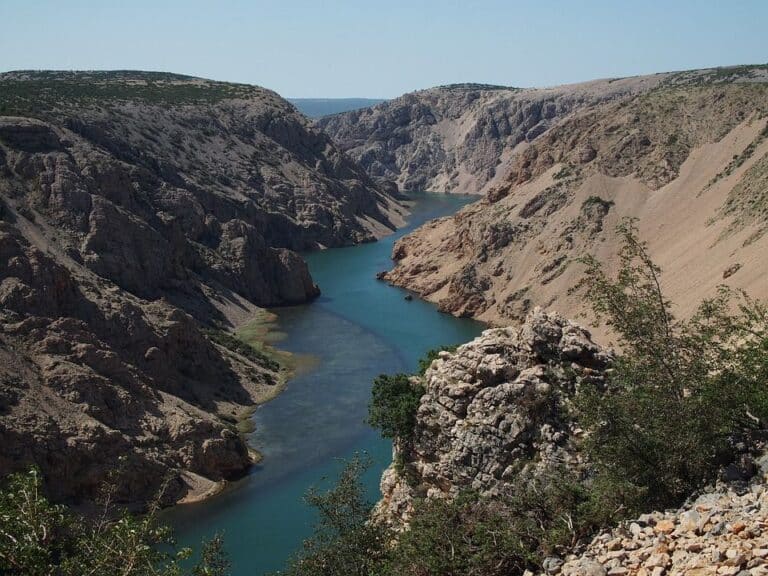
[685,159]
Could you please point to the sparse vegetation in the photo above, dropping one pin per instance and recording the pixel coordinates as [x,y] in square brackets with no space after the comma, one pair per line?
[719,75]
[38,538]
[739,159]
[31,93]
[234,344]
[747,203]
[564,172]
[596,201]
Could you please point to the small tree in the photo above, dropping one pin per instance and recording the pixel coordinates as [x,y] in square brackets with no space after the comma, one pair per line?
[345,541]
[393,407]
[474,535]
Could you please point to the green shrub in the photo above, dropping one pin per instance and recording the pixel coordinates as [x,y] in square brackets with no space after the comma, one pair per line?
[38,538]
[680,390]
[468,535]
[394,402]
[473,535]
[345,542]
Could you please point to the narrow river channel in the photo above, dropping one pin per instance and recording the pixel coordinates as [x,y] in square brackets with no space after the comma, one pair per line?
[359,328]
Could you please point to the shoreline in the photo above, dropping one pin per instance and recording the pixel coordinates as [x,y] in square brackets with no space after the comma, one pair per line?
[260,331]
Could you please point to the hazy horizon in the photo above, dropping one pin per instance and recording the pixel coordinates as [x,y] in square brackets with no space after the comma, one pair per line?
[345,49]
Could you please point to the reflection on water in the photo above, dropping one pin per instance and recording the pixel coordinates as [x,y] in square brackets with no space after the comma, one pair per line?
[359,328]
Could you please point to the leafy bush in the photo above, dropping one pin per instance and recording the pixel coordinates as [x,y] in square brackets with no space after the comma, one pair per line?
[473,535]
[469,535]
[345,542]
[394,402]
[680,390]
[38,538]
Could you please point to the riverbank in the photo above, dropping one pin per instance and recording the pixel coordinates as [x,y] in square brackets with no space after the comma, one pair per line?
[357,329]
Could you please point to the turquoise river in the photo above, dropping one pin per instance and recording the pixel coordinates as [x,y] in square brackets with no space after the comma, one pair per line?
[359,328]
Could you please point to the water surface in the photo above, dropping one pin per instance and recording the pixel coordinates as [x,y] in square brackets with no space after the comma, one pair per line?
[359,328]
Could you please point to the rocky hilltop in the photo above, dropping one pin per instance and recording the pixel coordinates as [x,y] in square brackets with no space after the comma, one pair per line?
[685,154]
[141,216]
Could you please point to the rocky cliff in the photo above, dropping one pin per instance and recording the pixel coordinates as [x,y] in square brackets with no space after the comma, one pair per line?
[140,214]
[685,154]
[462,138]
[495,410]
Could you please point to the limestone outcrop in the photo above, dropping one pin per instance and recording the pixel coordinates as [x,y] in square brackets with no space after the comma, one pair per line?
[494,410]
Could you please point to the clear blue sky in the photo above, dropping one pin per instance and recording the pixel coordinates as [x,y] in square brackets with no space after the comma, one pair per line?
[316,48]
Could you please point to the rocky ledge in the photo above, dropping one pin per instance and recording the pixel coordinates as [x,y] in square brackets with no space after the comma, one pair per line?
[496,412]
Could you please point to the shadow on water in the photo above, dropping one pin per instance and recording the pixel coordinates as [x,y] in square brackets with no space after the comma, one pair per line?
[358,329]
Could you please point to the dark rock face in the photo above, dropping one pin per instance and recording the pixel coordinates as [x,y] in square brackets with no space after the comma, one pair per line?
[136,208]
[94,383]
[142,190]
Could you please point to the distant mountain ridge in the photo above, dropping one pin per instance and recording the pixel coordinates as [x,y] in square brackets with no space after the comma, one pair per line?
[319,107]
[462,137]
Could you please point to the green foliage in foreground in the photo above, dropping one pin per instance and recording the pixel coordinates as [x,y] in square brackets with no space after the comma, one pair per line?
[395,400]
[479,536]
[38,538]
[345,541]
[468,536]
[681,391]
